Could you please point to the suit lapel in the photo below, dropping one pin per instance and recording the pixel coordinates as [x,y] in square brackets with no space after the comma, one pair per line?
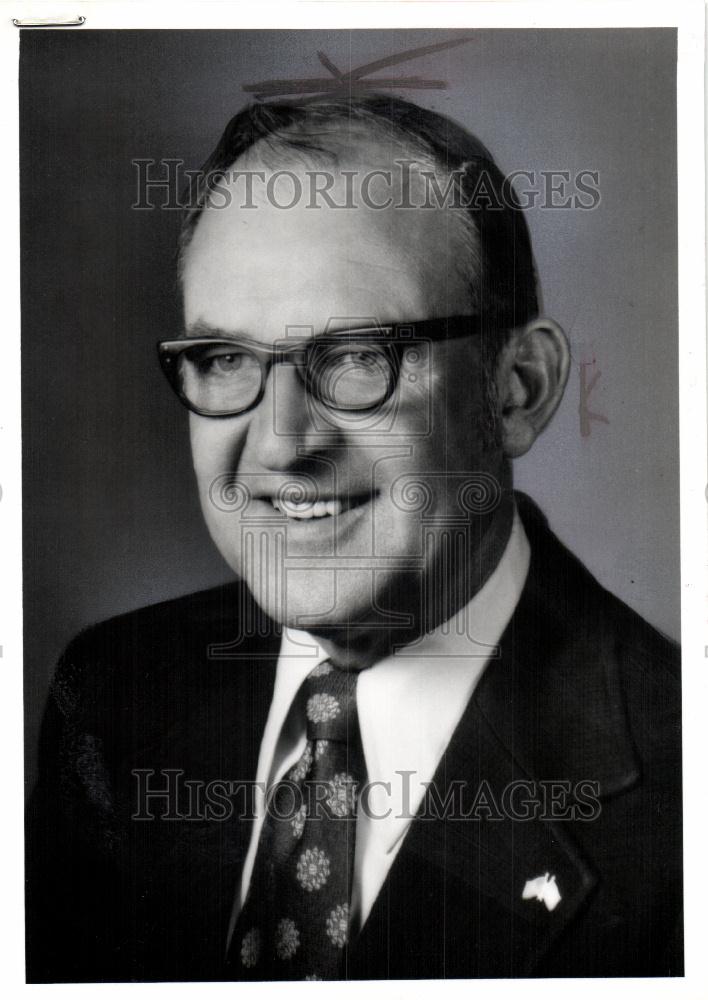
[548,710]
[463,875]
[484,859]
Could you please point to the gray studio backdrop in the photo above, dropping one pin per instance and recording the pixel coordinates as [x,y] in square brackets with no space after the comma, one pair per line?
[111,520]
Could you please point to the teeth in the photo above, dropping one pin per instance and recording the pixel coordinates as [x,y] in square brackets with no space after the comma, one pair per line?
[307,509]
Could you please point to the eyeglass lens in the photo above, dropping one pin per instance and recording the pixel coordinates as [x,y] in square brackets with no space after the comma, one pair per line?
[224,378]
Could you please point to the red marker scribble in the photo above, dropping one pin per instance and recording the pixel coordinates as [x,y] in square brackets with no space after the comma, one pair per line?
[339,82]
[586,414]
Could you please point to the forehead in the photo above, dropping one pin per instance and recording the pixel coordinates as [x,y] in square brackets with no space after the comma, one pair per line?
[257,269]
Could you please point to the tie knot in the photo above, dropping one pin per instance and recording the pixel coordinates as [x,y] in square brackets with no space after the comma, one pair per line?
[331,703]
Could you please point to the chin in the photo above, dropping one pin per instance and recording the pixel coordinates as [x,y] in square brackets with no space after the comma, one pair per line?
[314,600]
[291,596]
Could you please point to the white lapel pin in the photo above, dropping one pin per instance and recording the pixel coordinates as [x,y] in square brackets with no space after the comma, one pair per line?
[544,889]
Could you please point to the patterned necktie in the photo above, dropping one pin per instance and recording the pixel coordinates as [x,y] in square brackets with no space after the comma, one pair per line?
[295,922]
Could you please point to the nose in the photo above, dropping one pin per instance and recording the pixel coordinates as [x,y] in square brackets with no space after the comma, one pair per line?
[284,430]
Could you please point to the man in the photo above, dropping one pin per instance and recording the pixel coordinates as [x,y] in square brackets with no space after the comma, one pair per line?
[492,738]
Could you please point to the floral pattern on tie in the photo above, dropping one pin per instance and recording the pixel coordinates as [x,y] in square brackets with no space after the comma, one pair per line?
[287,940]
[313,869]
[338,925]
[299,772]
[295,921]
[322,708]
[298,822]
[341,795]
[251,948]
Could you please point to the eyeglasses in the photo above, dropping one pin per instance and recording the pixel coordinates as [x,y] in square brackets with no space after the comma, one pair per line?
[349,371]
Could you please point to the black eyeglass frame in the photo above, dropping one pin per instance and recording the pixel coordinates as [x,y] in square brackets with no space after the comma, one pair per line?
[394,337]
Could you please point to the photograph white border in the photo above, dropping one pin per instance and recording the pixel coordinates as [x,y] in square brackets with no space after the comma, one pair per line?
[688,17]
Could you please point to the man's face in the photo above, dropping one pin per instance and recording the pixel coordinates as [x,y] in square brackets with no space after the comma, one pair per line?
[388,483]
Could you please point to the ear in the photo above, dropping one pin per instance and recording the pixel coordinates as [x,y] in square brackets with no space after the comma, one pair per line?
[531,377]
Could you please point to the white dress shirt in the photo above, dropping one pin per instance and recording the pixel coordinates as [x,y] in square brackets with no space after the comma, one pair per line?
[408,706]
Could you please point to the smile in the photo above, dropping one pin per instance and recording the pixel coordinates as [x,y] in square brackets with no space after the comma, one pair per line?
[306,510]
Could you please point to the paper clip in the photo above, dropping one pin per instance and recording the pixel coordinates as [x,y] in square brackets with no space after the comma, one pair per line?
[47,22]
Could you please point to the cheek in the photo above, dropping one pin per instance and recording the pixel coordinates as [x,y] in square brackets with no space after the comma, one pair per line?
[202,457]
[212,443]
[442,412]
[445,378]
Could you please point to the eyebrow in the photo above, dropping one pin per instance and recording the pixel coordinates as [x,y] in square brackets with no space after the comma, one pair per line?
[201,329]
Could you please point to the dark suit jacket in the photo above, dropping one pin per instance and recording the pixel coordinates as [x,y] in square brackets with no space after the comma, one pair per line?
[583,690]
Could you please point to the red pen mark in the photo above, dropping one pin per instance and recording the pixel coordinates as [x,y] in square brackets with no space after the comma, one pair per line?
[586,414]
[339,81]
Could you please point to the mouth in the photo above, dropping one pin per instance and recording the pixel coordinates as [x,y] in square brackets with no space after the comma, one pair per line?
[317,509]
